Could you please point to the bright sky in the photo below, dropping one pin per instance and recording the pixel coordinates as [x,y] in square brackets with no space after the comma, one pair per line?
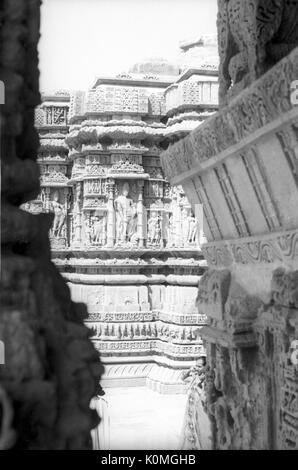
[82,39]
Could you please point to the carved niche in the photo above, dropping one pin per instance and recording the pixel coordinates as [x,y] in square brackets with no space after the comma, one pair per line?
[126,215]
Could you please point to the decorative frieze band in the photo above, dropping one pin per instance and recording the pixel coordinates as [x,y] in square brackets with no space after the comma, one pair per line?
[154,347]
[264,102]
[269,248]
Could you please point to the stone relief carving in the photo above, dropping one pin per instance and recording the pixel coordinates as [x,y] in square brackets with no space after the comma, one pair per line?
[213,293]
[52,370]
[76,215]
[253,36]
[59,216]
[251,387]
[154,229]
[190,225]
[267,249]
[125,216]
[247,113]
[98,230]
[99,155]
[56,115]
[196,428]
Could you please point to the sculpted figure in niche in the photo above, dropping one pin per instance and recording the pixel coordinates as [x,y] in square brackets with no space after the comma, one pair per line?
[126,222]
[98,232]
[43,198]
[192,229]
[60,215]
[87,231]
[154,230]
[253,36]
[77,214]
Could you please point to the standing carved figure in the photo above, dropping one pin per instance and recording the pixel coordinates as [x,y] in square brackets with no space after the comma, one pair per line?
[98,232]
[125,215]
[171,231]
[154,230]
[87,231]
[60,215]
[77,226]
[192,229]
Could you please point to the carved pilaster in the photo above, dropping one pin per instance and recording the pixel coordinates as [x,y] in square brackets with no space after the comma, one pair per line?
[111,214]
[140,214]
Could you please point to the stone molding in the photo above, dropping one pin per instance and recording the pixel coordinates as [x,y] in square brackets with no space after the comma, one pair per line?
[265,105]
[281,247]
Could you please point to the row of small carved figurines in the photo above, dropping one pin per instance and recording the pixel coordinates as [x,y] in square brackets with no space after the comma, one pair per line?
[119,331]
[129,262]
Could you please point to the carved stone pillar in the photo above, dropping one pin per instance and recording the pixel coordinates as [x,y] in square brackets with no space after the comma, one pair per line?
[111,214]
[140,213]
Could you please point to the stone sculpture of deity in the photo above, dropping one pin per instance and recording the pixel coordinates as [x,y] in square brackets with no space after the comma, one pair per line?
[154,231]
[60,216]
[126,222]
[192,229]
[98,230]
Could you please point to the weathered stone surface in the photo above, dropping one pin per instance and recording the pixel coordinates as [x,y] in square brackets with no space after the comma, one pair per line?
[241,165]
[51,369]
[253,36]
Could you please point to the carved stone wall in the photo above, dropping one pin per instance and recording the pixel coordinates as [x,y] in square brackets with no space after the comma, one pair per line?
[51,368]
[252,36]
[241,165]
[126,242]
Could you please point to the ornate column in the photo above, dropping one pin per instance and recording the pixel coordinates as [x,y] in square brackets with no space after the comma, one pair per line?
[111,214]
[140,212]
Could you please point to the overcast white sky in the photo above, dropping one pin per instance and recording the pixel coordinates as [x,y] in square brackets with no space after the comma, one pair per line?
[81,39]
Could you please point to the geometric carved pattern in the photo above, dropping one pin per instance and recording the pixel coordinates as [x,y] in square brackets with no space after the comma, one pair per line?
[280,246]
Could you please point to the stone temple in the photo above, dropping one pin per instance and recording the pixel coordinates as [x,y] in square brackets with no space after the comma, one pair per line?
[127,243]
[124,182]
